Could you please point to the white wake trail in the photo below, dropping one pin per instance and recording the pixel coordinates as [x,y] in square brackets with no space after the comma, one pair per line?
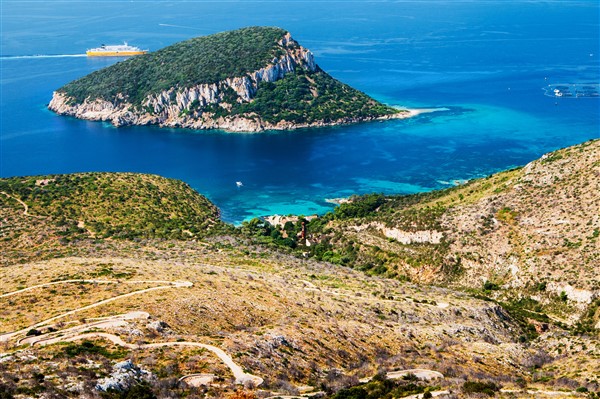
[25,57]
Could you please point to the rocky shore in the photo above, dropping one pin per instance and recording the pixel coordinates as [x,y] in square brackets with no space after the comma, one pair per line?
[124,115]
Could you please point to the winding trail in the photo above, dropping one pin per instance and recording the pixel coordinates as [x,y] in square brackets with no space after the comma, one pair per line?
[73,333]
[26,211]
[169,284]
[422,374]
[100,322]
[33,287]
[311,287]
[549,393]
[241,377]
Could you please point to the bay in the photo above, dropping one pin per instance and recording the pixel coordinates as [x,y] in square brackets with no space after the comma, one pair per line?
[485,62]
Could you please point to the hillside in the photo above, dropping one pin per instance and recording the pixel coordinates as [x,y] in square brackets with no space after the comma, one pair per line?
[42,211]
[528,234]
[99,268]
[251,79]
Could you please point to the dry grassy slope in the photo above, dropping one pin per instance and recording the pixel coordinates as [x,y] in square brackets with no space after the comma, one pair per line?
[520,228]
[286,319]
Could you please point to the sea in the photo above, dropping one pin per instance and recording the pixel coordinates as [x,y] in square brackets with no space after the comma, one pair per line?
[488,68]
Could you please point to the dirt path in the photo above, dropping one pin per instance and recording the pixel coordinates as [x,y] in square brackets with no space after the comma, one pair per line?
[241,377]
[422,374]
[549,393]
[100,322]
[33,287]
[311,287]
[169,284]
[26,211]
[72,334]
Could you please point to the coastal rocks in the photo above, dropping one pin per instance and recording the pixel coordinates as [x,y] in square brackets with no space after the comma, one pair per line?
[170,104]
[96,110]
[171,116]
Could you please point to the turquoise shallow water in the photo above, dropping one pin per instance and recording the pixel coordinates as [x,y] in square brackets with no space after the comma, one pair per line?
[487,63]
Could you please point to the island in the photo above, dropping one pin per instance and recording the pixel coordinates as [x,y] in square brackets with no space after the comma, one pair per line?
[247,80]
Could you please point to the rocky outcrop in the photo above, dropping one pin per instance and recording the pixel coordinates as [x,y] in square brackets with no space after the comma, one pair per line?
[124,375]
[577,295]
[177,106]
[402,236]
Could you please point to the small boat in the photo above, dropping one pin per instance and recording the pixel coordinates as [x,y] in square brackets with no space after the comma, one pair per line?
[239,183]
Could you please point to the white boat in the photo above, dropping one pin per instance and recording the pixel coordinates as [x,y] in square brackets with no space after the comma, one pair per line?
[119,50]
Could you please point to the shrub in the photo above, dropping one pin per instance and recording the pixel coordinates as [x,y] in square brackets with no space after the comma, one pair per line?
[141,390]
[488,388]
[89,348]
[6,391]
[489,286]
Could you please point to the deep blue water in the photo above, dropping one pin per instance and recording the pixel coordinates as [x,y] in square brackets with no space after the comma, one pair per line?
[487,62]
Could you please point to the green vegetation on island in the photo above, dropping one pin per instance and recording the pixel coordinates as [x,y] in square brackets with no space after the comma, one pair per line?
[205,59]
[209,81]
[302,97]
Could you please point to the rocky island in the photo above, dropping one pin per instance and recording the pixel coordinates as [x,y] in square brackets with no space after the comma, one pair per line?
[247,80]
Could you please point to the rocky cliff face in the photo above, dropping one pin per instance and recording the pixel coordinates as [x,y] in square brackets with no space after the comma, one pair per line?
[171,108]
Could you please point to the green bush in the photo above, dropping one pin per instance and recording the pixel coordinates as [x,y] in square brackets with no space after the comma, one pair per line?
[6,391]
[380,389]
[359,206]
[291,99]
[141,390]
[89,348]
[488,388]
[489,286]
[117,205]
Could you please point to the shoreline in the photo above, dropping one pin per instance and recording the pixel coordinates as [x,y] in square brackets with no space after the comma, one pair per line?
[419,111]
[122,115]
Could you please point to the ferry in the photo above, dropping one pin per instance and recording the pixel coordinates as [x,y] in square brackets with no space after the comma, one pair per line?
[119,50]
